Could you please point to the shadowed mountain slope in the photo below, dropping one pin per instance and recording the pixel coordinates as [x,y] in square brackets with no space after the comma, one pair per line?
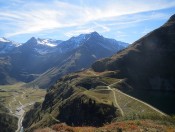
[149,62]
[148,67]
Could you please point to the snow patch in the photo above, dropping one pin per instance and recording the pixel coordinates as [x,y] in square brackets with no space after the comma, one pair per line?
[4,40]
[46,42]
[94,56]
[42,51]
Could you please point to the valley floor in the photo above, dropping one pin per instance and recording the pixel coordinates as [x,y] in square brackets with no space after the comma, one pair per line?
[18,99]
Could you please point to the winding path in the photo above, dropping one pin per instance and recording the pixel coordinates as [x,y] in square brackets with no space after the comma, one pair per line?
[160,112]
[118,106]
[115,100]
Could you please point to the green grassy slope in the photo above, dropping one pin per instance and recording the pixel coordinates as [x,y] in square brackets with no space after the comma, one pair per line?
[76,101]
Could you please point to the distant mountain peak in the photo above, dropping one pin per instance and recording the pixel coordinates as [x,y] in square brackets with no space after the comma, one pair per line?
[6,41]
[78,39]
[44,42]
[2,39]
[32,40]
[95,33]
[90,38]
[7,46]
[86,35]
[83,37]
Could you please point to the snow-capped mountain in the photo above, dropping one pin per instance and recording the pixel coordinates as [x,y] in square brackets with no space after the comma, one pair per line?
[92,38]
[72,43]
[38,58]
[6,46]
[47,42]
[77,41]
[41,46]
[78,53]
[43,42]
[4,40]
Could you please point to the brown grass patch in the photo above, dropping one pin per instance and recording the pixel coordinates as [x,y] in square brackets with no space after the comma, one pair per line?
[65,128]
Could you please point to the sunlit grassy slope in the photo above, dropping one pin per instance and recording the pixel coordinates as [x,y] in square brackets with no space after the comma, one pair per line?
[12,96]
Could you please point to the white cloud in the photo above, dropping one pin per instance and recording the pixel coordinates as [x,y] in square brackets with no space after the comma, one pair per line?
[34,16]
[127,21]
[77,32]
[103,27]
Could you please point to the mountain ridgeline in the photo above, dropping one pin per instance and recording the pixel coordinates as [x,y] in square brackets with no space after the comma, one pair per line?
[40,62]
[148,63]
[148,67]
[96,96]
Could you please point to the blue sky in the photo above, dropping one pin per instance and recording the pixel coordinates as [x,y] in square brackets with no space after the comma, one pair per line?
[124,20]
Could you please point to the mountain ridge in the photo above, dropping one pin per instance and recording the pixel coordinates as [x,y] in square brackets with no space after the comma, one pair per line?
[148,46]
[76,58]
[30,60]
